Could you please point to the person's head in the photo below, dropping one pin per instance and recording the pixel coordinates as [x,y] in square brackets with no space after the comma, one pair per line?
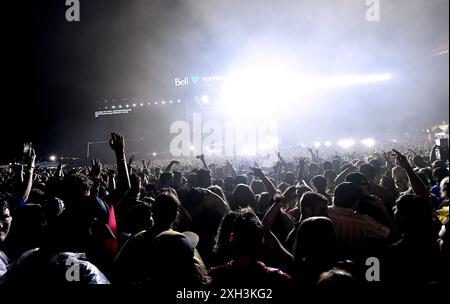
[439,174]
[319,183]
[313,204]
[76,187]
[138,218]
[419,162]
[347,195]
[165,209]
[327,165]
[217,190]
[337,279]
[388,183]
[289,178]
[241,179]
[219,183]
[222,240]
[316,241]
[313,169]
[5,218]
[192,180]
[413,215]
[369,171]
[330,175]
[247,234]
[243,197]
[438,164]
[400,178]
[166,179]
[360,181]
[257,186]
[445,191]
[204,178]
[228,184]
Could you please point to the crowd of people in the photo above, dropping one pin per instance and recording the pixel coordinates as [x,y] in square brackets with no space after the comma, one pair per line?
[300,222]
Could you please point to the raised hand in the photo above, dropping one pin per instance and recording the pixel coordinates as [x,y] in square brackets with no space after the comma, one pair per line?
[117,144]
[256,171]
[96,168]
[401,159]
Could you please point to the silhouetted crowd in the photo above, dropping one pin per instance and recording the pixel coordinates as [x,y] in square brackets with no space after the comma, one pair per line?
[374,218]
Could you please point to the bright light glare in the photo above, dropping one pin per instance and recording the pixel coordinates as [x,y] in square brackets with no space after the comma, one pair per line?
[346,143]
[52,158]
[154,153]
[204,99]
[317,144]
[368,142]
[192,148]
[328,144]
[248,150]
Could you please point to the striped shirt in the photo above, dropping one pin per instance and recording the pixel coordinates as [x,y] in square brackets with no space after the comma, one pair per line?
[353,228]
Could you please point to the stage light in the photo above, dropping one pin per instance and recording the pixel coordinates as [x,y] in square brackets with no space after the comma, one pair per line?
[141,104]
[154,153]
[163,102]
[317,144]
[149,103]
[106,108]
[178,100]
[113,107]
[248,150]
[120,106]
[346,143]
[134,105]
[52,158]
[192,148]
[170,101]
[204,99]
[156,102]
[127,106]
[368,142]
[328,144]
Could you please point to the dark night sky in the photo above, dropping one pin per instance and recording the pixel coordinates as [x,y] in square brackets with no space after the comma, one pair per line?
[55,71]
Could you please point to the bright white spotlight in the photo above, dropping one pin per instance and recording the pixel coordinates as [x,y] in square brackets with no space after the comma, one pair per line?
[346,143]
[163,102]
[248,150]
[178,100]
[134,105]
[317,144]
[192,148]
[154,153]
[328,144]
[204,99]
[52,158]
[120,106]
[141,104]
[113,107]
[368,142]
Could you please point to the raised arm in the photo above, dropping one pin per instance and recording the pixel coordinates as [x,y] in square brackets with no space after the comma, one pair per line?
[256,171]
[202,158]
[170,165]
[31,159]
[274,245]
[301,170]
[417,184]
[117,144]
[283,162]
[230,168]
[341,177]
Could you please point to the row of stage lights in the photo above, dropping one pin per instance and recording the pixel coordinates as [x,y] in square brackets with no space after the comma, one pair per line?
[346,143]
[141,104]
